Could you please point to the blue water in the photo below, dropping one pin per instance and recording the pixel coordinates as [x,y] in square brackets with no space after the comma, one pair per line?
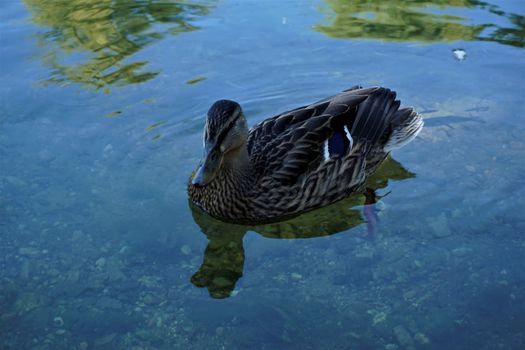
[102,109]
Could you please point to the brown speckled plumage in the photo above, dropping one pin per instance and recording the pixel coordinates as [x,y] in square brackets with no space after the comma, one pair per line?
[281,167]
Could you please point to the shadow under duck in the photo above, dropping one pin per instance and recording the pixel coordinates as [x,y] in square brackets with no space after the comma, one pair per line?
[299,160]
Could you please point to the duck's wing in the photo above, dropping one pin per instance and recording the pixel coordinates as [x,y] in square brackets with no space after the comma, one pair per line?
[285,147]
[266,130]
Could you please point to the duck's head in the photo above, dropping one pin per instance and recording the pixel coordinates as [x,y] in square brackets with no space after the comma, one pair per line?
[225,133]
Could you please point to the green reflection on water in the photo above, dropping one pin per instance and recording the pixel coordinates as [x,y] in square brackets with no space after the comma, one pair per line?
[419,20]
[89,42]
[223,261]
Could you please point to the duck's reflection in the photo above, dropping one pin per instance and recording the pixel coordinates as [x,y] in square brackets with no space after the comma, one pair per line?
[223,261]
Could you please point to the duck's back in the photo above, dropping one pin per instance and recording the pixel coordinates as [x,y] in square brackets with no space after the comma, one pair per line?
[315,155]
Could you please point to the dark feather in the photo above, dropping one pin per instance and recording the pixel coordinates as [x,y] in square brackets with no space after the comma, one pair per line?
[365,112]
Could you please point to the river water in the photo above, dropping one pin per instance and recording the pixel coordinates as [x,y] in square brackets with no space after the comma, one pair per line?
[101,115]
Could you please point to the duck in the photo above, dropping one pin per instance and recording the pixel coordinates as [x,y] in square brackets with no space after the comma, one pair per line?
[299,160]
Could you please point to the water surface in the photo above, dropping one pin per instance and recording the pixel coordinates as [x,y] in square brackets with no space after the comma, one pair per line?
[102,107]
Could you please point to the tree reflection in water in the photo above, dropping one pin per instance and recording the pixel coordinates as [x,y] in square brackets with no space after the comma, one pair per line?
[90,42]
[420,20]
[223,260]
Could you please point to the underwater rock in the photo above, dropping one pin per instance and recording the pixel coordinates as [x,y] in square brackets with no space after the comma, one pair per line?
[185,249]
[124,250]
[470,168]
[105,339]
[59,322]
[151,299]
[113,270]
[421,338]
[365,253]
[38,319]
[391,346]
[142,334]
[25,269]
[73,276]
[105,248]
[461,251]
[109,303]
[108,149]
[100,263]
[85,319]
[296,276]
[71,287]
[403,337]
[77,235]
[379,317]
[15,181]
[439,226]
[27,302]
[45,155]
[29,251]
[149,281]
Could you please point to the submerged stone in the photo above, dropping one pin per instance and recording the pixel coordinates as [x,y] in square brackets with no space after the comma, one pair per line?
[185,249]
[105,339]
[27,302]
[403,337]
[109,303]
[296,276]
[113,270]
[421,338]
[100,263]
[379,317]
[59,322]
[29,251]
[439,226]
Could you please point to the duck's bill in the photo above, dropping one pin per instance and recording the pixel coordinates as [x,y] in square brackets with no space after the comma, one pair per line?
[208,169]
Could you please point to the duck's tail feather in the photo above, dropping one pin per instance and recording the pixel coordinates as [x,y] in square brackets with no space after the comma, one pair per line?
[376,121]
[374,115]
[405,126]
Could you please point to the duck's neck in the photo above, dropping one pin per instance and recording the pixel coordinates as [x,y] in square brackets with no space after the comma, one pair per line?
[236,170]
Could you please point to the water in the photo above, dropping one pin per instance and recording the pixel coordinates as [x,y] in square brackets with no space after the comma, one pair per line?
[101,116]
